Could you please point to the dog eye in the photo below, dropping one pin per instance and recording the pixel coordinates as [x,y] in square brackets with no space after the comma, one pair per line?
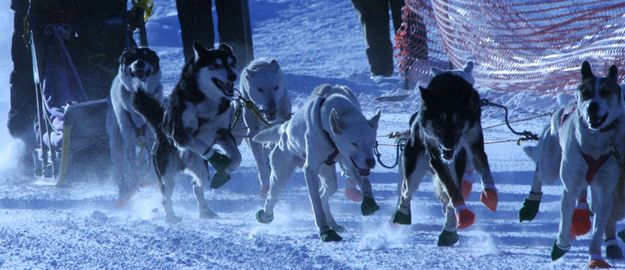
[276,88]
[355,144]
[261,90]
[215,66]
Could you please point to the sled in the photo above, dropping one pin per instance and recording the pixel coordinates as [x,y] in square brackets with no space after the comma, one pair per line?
[70,128]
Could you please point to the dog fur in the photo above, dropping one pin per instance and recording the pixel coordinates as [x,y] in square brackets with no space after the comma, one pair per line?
[262,82]
[329,126]
[139,70]
[446,128]
[589,131]
[196,116]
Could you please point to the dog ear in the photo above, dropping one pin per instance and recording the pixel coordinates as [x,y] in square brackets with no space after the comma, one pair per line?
[613,73]
[373,122]
[425,94]
[274,65]
[468,67]
[586,71]
[436,71]
[121,57]
[335,122]
[198,50]
[225,47]
[251,73]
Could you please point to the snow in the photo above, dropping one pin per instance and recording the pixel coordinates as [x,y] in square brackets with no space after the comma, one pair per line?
[316,41]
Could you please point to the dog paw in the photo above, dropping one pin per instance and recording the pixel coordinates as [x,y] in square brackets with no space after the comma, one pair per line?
[490,199]
[465,188]
[353,194]
[368,206]
[557,252]
[401,218]
[581,222]
[529,210]
[263,218]
[447,239]
[614,252]
[330,236]
[207,214]
[465,217]
[172,219]
[219,179]
[594,264]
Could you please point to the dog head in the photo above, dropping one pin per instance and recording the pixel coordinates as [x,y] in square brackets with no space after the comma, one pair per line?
[266,87]
[215,70]
[466,72]
[598,99]
[450,106]
[140,68]
[355,136]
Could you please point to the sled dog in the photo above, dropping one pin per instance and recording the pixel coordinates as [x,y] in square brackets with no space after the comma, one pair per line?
[587,135]
[196,116]
[262,83]
[329,127]
[444,133]
[139,70]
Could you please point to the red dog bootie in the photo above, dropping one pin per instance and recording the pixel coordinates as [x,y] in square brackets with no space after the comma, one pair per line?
[464,217]
[489,197]
[352,192]
[465,188]
[581,220]
[596,261]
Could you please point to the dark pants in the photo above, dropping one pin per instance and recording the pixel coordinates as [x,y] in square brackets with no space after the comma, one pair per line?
[374,18]
[196,24]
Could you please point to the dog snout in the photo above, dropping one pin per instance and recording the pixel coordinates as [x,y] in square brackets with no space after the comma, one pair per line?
[140,64]
[232,77]
[593,108]
[370,162]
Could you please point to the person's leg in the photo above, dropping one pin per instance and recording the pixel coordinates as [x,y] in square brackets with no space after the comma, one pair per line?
[23,104]
[196,24]
[374,18]
[396,9]
[235,30]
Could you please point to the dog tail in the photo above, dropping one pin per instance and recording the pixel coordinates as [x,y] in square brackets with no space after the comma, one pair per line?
[149,107]
[270,135]
[530,151]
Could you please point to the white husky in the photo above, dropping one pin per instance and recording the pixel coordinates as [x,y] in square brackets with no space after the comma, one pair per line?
[138,69]
[262,83]
[588,138]
[329,127]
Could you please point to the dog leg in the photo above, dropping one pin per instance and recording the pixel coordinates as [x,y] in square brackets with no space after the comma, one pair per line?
[464,216]
[222,175]
[413,167]
[602,206]
[581,215]
[448,236]
[261,155]
[567,204]
[612,250]
[119,169]
[196,167]
[489,196]
[328,188]
[312,168]
[167,189]
[282,167]
[532,202]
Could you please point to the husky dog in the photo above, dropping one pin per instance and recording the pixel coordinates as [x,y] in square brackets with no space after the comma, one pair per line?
[139,70]
[588,138]
[196,116]
[446,129]
[263,84]
[329,127]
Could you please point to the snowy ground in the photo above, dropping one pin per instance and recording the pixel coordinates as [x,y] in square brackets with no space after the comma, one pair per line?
[317,41]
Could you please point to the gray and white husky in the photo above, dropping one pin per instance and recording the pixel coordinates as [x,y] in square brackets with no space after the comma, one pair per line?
[445,132]
[196,116]
[329,127]
[262,82]
[589,135]
[139,70]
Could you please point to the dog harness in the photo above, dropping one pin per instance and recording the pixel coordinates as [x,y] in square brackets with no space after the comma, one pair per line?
[593,165]
[330,160]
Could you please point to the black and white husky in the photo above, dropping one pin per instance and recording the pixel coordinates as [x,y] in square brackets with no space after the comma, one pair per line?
[196,116]
[139,70]
[445,132]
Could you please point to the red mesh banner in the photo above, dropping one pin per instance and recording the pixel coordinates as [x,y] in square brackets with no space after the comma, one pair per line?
[516,45]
